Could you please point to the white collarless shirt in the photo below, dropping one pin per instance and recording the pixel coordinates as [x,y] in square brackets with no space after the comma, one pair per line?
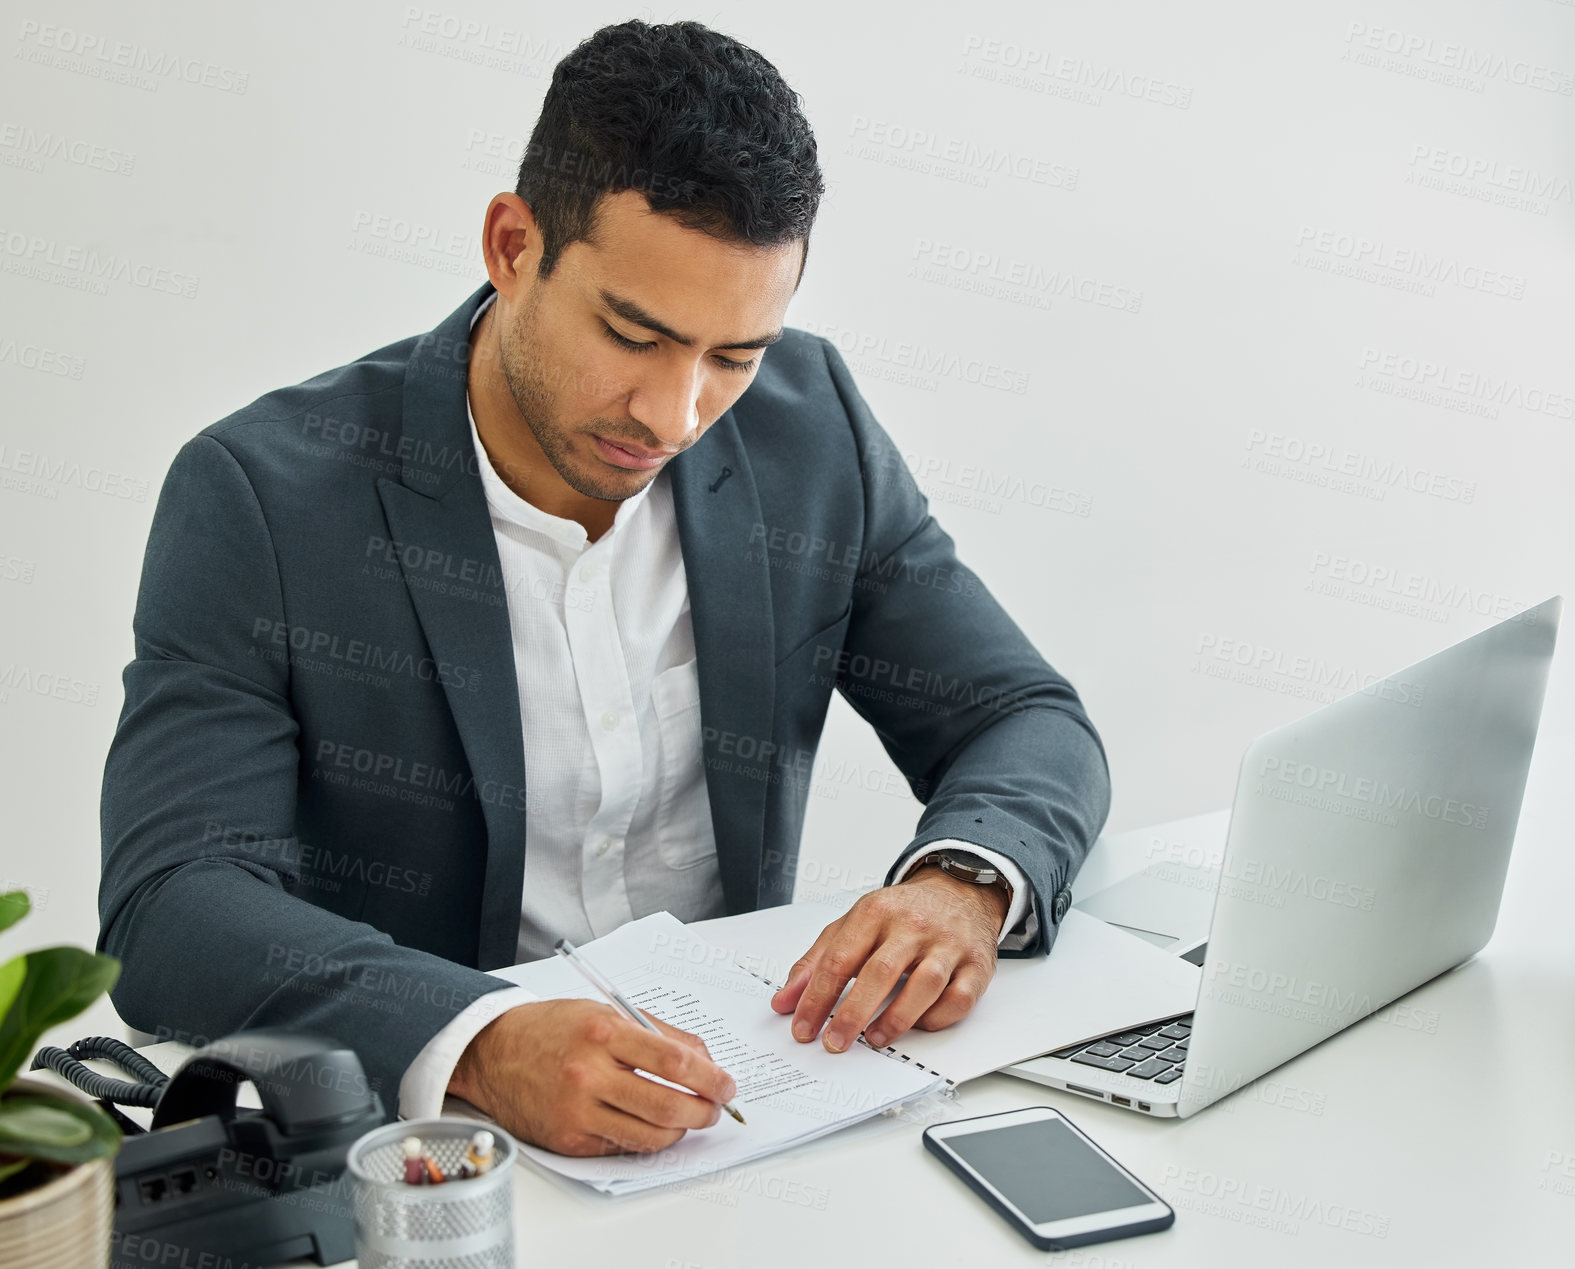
[617,821]
[617,824]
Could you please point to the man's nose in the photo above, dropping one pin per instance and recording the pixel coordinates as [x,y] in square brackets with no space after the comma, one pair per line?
[668,402]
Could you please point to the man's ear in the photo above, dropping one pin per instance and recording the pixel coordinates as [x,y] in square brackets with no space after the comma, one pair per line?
[511,245]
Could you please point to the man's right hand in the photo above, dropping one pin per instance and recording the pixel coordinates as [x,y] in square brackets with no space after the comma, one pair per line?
[560,1074]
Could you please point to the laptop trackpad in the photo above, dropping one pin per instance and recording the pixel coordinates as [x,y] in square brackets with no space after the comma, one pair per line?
[1170,909]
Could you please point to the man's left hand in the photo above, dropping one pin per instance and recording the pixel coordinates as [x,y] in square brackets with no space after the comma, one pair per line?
[938,930]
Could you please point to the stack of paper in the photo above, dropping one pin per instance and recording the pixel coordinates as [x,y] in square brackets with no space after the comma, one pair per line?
[789,1092]
[1097,979]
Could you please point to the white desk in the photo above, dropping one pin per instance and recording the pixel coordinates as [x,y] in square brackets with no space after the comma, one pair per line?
[1444,1128]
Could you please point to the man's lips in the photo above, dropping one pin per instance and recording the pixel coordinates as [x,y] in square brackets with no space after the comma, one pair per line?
[633,457]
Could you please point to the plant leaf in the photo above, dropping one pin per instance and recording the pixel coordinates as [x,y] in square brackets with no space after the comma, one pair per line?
[60,983]
[59,1129]
[34,1122]
[12,1168]
[11,975]
[14,905]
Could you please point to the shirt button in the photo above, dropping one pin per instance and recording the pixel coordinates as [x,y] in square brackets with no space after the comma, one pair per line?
[610,721]
[603,846]
[587,572]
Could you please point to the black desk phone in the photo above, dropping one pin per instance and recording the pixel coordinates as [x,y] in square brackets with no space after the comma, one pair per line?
[211,1179]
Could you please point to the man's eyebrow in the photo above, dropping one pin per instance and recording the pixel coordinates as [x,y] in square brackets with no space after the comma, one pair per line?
[632,312]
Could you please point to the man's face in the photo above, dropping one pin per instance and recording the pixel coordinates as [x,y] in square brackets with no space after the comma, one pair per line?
[632,347]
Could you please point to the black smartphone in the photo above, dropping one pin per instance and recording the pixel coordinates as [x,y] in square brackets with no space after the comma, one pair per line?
[1041,1172]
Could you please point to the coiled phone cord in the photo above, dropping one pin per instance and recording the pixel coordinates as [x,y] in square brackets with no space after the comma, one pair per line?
[67,1063]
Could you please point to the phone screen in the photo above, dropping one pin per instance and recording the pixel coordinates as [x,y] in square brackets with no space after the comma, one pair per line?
[1046,1171]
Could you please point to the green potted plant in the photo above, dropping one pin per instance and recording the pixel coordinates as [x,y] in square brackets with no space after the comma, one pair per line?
[57,1181]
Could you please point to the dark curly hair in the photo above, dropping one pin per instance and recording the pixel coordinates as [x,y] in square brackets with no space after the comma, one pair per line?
[700,124]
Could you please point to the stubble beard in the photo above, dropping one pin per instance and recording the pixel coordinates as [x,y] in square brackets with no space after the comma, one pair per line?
[522,371]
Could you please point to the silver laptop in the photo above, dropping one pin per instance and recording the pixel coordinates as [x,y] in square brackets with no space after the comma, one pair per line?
[1366,854]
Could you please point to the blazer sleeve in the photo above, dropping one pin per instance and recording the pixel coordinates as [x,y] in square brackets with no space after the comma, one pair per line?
[204,756]
[992,740]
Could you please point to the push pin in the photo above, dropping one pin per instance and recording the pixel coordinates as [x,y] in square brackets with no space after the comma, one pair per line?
[415,1168]
[478,1158]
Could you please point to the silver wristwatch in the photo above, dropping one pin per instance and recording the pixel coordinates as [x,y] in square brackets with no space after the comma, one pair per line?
[966,867]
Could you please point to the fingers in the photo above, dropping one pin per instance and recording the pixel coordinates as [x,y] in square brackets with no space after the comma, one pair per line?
[838,962]
[656,1104]
[878,977]
[671,1059]
[968,983]
[683,1037]
[786,1000]
[609,1130]
[928,983]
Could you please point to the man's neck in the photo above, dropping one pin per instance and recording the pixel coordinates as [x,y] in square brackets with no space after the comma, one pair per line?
[512,447]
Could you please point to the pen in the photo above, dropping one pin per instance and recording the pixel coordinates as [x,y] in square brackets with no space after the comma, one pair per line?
[567,950]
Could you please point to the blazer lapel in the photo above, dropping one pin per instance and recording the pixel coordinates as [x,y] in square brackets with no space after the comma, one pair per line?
[716,505]
[437,515]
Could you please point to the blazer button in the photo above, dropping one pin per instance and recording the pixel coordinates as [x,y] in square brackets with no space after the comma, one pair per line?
[1063,901]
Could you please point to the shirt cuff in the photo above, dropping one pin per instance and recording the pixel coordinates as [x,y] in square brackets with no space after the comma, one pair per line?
[425,1082]
[1016,927]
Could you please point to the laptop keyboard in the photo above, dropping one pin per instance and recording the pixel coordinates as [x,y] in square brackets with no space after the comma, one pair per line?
[1157,1052]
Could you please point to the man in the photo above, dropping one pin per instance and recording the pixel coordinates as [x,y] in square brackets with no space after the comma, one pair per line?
[528,626]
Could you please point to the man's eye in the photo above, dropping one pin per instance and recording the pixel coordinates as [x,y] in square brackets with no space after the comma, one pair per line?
[630,344]
[727,363]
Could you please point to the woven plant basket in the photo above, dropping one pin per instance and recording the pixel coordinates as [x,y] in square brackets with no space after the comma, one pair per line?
[63,1224]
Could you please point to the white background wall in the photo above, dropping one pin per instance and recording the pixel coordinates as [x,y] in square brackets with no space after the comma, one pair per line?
[1238,251]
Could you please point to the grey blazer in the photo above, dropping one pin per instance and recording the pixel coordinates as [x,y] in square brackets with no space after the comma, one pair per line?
[314,807]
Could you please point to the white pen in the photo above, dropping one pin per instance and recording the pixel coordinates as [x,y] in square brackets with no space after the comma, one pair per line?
[567,950]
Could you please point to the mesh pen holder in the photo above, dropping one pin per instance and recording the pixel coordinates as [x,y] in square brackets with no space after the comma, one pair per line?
[457,1225]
